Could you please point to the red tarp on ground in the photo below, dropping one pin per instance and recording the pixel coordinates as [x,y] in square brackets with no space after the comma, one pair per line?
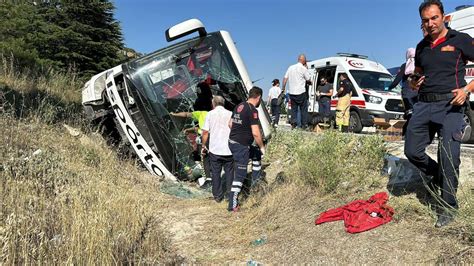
[360,215]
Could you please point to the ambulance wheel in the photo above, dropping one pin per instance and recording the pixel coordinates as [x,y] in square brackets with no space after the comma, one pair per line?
[469,119]
[355,125]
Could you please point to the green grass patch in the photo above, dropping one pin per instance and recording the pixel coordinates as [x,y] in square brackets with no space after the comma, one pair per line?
[330,161]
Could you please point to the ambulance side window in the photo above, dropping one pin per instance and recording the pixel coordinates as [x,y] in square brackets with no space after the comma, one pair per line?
[328,73]
[354,91]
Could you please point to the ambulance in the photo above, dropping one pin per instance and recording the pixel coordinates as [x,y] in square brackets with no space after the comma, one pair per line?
[462,20]
[134,100]
[371,96]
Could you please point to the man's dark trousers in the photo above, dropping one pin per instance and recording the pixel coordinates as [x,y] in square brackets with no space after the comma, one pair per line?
[275,109]
[240,154]
[217,162]
[325,107]
[447,120]
[256,156]
[408,103]
[299,103]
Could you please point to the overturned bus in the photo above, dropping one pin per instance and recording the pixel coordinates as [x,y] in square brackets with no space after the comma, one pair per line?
[137,98]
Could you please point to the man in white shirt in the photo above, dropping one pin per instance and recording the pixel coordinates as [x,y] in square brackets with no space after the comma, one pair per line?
[298,76]
[216,130]
[273,94]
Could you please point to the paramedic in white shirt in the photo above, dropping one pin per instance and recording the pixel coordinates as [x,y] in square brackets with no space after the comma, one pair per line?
[273,94]
[216,130]
[297,77]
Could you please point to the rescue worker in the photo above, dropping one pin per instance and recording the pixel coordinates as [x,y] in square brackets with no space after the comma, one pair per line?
[200,117]
[440,65]
[344,94]
[244,129]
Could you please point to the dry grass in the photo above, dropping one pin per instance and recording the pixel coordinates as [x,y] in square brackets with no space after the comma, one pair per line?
[284,212]
[74,202]
[66,199]
[316,160]
[49,97]
[64,86]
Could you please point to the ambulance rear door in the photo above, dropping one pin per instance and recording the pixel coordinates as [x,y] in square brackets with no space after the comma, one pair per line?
[311,91]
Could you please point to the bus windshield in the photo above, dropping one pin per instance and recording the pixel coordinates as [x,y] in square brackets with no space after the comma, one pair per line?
[183,78]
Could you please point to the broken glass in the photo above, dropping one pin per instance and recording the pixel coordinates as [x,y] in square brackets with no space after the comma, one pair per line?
[183,78]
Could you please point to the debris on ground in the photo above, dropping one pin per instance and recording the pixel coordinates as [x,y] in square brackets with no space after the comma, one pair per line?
[253,263]
[259,241]
[401,172]
[183,191]
[72,131]
[35,153]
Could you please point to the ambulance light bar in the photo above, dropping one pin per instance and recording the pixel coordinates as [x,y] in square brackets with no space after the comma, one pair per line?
[353,55]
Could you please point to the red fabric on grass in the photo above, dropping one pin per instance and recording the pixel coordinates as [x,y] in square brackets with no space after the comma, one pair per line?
[360,215]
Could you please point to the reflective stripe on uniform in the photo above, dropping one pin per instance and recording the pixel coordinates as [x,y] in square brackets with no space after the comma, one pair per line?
[235,189]
[237,183]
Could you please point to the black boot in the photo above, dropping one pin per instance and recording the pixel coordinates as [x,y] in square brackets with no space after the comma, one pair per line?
[445,217]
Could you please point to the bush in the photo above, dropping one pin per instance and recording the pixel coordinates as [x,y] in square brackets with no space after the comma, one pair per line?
[330,160]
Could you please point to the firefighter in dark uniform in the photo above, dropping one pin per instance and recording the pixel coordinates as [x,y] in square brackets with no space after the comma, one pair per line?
[440,63]
[244,130]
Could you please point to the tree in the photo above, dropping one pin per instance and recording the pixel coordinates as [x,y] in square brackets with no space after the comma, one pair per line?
[82,34]
[17,26]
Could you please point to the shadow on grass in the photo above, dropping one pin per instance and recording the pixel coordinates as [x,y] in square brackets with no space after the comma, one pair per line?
[407,179]
[262,187]
[36,103]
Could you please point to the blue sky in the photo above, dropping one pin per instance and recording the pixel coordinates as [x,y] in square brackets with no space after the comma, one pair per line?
[270,34]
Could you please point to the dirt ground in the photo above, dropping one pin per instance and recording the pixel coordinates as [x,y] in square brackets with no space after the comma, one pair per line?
[202,231]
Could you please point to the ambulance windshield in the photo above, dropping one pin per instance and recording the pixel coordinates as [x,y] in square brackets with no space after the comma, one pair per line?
[374,81]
